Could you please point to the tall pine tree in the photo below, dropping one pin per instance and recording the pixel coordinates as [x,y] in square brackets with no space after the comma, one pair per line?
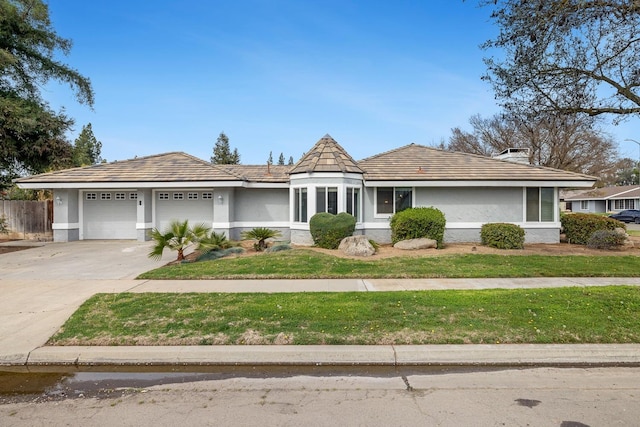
[222,154]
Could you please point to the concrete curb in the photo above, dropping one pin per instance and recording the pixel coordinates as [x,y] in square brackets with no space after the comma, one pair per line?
[81,358]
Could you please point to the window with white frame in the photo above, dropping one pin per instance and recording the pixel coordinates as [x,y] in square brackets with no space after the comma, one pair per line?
[622,204]
[192,196]
[178,196]
[121,196]
[133,196]
[584,205]
[300,204]
[105,196]
[163,196]
[390,200]
[540,204]
[207,196]
[353,202]
[91,196]
[327,200]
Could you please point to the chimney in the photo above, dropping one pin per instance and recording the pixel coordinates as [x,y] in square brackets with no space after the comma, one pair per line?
[516,155]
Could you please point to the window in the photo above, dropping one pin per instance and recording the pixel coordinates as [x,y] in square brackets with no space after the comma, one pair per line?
[353,202]
[91,196]
[133,196]
[540,204]
[300,204]
[192,196]
[327,200]
[207,196]
[178,196]
[121,196]
[163,196]
[390,200]
[105,196]
[584,205]
[624,204]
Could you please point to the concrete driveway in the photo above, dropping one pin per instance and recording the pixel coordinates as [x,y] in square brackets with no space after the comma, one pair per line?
[87,259]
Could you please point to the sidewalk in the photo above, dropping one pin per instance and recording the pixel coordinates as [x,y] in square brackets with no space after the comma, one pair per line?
[33,310]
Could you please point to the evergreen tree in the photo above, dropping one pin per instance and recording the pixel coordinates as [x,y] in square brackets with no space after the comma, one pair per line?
[222,154]
[290,161]
[86,149]
[281,159]
[270,161]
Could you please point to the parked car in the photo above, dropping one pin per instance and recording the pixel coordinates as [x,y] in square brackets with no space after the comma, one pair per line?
[630,215]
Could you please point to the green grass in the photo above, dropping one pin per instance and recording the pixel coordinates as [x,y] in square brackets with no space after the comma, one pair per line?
[560,315]
[633,232]
[307,264]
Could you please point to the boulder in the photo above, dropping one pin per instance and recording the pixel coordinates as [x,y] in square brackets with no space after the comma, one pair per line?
[413,244]
[356,246]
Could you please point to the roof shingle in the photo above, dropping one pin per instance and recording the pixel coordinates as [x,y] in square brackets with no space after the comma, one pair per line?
[326,156]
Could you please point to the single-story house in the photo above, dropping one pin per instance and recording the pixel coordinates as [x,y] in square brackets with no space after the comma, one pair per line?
[605,199]
[127,199]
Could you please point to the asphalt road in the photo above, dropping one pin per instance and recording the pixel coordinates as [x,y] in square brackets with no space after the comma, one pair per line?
[566,397]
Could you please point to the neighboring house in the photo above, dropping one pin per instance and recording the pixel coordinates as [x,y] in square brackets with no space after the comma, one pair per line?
[606,199]
[126,199]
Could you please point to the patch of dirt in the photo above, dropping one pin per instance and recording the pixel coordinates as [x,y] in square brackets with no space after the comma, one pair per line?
[7,248]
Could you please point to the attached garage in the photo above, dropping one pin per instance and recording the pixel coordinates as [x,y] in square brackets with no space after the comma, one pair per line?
[108,215]
[196,206]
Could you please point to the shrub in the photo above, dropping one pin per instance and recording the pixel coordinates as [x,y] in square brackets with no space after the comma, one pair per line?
[278,248]
[177,237]
[606,239]
[328,230]
[214,242]
[579,227]
[260,234]
[211,255]
[415,223]
[502,235]
[4,227]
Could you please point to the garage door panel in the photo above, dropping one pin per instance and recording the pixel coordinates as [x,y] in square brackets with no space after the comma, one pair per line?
[194,206]
[105,217]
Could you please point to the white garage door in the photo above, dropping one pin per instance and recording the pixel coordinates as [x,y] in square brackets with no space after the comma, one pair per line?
[194,206]
[109,215]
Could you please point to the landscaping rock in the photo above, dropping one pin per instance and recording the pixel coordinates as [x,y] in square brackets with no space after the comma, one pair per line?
[356,246]
[414,244]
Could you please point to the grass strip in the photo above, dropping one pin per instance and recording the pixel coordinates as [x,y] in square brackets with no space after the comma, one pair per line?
[306,264]
[560,315]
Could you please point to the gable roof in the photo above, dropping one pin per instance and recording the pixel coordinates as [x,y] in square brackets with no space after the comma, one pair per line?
[606,193]
[415,162]
[326,156]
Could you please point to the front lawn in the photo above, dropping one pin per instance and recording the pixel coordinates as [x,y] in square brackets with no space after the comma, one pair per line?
[561,315]
[308,264]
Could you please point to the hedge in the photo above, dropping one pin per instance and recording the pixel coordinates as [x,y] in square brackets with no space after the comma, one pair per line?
[416,223]
[502,235]
[328,230]
[579,227]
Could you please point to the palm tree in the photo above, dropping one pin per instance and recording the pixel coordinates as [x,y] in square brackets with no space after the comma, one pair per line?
[260,234]
[177,238]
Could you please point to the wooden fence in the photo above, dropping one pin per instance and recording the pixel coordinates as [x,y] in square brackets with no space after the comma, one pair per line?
[28,219]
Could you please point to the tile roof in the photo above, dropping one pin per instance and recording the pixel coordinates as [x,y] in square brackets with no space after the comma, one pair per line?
[419,163]
[169,167]
[616,192]
[258,173]
[326,156]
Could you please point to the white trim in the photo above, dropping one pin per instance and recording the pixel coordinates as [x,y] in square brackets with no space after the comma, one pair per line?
[132,185]
[504,184]
[341,175]
[465,225]
[65,226]
[143,225]
[251,224]
[266,185]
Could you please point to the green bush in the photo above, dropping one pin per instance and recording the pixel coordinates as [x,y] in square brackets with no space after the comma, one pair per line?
[4,227]
[579,227]
[502,235]
[606,239]
[416,223]
[328,230]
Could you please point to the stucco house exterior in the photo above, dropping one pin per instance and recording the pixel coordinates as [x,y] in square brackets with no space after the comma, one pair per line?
[127,199]
[606,199]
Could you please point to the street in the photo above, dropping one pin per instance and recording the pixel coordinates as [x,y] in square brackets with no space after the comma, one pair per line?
[567,397]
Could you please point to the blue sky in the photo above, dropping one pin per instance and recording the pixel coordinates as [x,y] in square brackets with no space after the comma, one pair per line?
[277,75]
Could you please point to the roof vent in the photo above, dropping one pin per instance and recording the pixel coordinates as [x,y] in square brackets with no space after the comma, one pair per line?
[516,155]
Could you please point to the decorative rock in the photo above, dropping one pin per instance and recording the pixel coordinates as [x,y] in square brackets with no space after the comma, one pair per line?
[356,246]
[414,244]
